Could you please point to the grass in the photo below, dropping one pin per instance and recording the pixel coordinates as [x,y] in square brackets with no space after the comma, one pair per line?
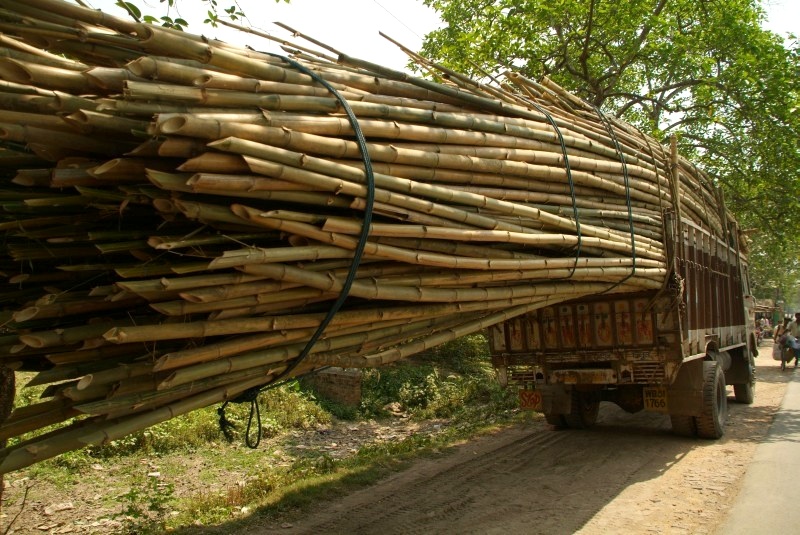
[308,481]
[203,479]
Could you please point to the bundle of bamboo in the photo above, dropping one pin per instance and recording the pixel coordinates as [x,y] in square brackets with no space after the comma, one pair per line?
[180,214]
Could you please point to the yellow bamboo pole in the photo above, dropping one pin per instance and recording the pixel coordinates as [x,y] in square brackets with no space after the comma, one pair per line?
[254,151]
[433,259]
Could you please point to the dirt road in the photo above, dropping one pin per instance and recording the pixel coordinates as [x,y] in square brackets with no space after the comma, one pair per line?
[627,475]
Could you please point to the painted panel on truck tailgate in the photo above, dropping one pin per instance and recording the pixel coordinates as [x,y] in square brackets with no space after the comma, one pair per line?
[644,322]
[548,319]
[622,315]
[585,330]
[566,326]
[497,338]
[602,321]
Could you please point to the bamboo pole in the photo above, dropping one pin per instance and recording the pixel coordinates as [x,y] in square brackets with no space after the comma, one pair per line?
[559,241]
[252,151]
[433,259]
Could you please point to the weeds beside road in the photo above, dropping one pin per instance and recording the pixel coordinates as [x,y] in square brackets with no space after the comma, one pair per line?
[183,472]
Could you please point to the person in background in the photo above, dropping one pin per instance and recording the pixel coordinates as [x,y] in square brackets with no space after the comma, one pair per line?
[780,331]
[794,332]
[779,339]
[766,327]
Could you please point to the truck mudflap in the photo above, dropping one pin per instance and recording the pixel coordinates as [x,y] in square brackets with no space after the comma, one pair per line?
[550,399]
[530,400]
[673,399]
[685,394]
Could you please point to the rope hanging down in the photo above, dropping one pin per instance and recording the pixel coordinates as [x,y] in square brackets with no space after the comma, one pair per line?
[251,394]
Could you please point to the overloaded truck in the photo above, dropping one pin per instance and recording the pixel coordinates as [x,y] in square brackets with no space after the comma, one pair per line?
[672,350]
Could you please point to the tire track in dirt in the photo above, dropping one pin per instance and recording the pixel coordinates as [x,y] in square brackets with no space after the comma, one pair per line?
[452,485]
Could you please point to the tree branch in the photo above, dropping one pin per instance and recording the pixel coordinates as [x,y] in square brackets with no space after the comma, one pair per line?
[585,53]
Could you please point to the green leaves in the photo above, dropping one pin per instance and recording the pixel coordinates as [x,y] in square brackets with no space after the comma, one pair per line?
[167,22]
[131,8]
[231,13]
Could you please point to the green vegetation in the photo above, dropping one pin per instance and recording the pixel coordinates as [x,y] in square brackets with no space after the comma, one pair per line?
[169,475]
[450,381]
[145,507]
[169,12]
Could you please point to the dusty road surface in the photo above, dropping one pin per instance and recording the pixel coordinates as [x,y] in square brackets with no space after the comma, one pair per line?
[627,475]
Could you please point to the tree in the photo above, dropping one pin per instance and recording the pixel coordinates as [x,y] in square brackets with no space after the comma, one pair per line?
[704,70]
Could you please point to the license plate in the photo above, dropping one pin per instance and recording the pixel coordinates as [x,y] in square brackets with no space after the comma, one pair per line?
[655,399]
[530,400]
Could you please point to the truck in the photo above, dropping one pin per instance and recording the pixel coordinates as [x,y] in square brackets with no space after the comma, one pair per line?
[673,350]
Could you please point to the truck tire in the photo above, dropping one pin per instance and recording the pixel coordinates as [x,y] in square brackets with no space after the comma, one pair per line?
[585,406]
[711,422]
[752,345]
[746,392]
[683,426]
[556,420]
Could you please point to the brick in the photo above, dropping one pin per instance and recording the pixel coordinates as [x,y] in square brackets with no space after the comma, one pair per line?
[341,385]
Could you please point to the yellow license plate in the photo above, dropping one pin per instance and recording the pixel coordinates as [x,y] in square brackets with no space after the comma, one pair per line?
[655,399]
[530,400]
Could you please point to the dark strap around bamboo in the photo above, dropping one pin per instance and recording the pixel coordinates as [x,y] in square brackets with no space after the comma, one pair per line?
[570,181]
[626,179]
[251,395]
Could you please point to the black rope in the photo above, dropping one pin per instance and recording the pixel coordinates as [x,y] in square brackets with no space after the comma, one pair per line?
[248,396]
[628,201]
[655,167]
[670,249]
[569,181]
[251,394]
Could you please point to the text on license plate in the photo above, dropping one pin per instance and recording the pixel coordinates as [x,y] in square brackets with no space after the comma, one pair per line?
[655,399]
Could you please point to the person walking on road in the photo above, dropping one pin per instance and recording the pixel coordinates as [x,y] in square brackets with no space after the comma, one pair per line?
[794,334]
[780,347]
[780,330]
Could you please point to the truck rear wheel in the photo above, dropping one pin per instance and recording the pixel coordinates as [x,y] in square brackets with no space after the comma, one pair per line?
[585,407]
[746,392]
[711,422]
[556,420]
